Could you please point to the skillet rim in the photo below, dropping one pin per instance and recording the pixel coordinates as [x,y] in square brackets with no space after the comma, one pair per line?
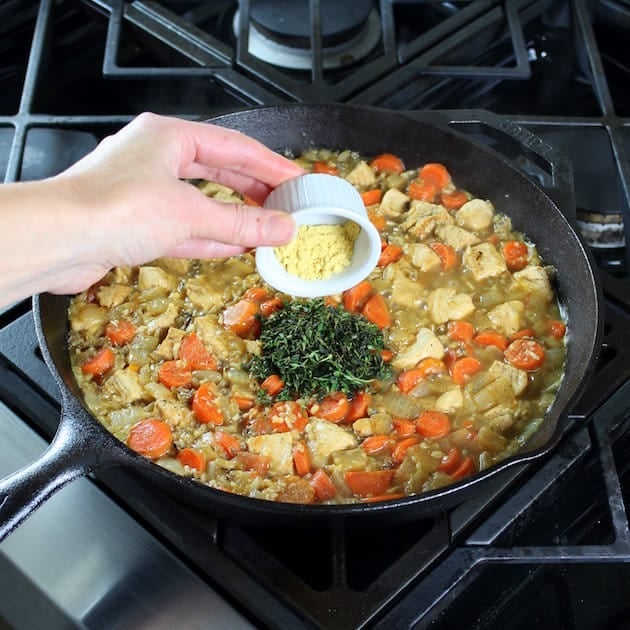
[426,500]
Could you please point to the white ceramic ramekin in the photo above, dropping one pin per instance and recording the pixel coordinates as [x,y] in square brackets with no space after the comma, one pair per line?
[321,199]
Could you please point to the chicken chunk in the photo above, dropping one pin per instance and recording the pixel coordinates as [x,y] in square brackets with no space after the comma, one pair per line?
[424,258]
[456,237]
[324,438]
[89,319]
[484,261]
[176,266]
[515,377]
[221,343]
[534,279]
[446,304]
[423,217]
[149,277]
[507,317]
[376,424]
[220,192]
[426,345]
[169,348]
[499,418]
[125,386]
[394,203]
[450,401]
[278,447]
[112,294]
[475,215]
[406,291]
[204,294]
[164,320]
[175,413]
[362,175]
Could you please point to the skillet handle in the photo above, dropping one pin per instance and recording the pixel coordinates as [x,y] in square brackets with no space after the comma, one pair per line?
[559,183]
[71,454]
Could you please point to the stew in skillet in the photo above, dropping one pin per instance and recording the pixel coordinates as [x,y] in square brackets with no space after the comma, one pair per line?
[439,364]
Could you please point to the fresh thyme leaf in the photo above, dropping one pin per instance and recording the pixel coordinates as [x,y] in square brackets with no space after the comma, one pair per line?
[318,349]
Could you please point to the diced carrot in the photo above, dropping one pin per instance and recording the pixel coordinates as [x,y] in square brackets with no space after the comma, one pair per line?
[271,305]
[491,338]
[375,310]
[355,298]
[273,385]
[365,482]
[192,458]
[388,163]
[557,329]
[422,190]
[253,461]
[447,255]
[320,166]
[432,366]
[242,318]
[525,354]
[450,461]
[460,331]
[401,448]
[204,406]
[244,403]
[301,459]
[467,467]
[377,444]
[175,374]
[151,438]
[453,200]
[120,332]
[228,442]
[196,354]
[100,363]
[435,173]
[323,485]
[390,254]
[404,427]
[371,197]
[463,368]
[516,255]
[249,201]
[256,294]
[359,405]
[433,424]
[524,332]
[287,415]
[333,407]
[387,355]
[378,220]
[383,497]
[408,379]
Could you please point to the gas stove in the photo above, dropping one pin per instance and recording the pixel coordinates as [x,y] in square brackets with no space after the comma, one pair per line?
[546,542]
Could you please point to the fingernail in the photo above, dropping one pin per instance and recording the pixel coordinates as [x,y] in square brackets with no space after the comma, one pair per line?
[279,228]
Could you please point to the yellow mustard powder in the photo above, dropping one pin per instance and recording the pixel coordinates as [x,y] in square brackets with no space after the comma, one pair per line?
[319,251]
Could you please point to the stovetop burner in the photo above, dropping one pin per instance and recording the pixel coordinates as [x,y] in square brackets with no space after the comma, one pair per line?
[280,33]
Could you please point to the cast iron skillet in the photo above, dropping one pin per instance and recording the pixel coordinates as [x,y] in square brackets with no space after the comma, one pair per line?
[82,445]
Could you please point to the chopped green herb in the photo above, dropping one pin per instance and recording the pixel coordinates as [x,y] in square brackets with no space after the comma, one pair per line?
[318,349]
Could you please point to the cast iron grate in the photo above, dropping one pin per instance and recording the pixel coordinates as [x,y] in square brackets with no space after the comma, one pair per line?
[529,533]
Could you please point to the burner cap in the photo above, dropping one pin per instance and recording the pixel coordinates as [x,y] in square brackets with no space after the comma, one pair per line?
[279,32]
[287,22]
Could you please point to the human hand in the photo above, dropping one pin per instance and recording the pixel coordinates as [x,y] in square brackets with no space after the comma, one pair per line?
[125,204]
